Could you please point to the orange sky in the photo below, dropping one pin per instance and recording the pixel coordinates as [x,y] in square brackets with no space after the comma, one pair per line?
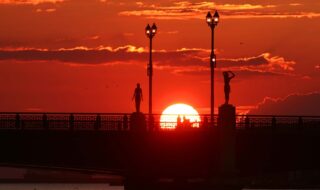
[87,56]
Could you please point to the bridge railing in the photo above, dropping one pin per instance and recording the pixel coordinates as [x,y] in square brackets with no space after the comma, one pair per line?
[122,121]
[64,121]
[270,121]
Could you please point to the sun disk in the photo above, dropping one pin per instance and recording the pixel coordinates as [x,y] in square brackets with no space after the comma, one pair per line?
[188,116]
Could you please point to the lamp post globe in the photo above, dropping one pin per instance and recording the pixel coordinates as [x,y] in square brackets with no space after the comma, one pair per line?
[148,30]
[154,29]
[216,18]
[209,18]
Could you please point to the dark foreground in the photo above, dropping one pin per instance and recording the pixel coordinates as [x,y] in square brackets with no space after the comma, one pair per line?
[191,159]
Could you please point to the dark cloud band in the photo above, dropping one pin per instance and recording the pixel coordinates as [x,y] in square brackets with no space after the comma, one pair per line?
[184,61]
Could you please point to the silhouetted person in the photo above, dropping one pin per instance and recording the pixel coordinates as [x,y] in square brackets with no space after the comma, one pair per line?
[138,97]
[98,122]
[125,122]
[227,79]
[45,121]
[179,121]
[71,121]
[17,121]
[186,122]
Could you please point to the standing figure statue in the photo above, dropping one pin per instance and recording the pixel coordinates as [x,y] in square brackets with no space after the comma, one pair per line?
[138,97]
[227,79]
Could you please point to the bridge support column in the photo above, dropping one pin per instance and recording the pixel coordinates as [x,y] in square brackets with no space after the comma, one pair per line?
[227,126]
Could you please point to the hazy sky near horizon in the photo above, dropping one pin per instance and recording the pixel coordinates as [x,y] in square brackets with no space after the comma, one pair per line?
[87,56]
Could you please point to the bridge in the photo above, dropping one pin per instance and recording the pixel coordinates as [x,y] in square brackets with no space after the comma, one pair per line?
[257,151]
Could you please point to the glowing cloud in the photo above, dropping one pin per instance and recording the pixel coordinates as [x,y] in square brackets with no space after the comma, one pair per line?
[29,2]
[188,10]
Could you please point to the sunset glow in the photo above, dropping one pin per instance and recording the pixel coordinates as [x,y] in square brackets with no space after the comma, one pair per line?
[88,56]
[188,115]
[166,94]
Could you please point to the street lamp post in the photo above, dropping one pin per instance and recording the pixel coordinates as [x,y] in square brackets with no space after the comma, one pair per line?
[150,32]
[212,22]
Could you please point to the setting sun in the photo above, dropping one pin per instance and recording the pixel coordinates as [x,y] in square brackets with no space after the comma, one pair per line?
[179,115]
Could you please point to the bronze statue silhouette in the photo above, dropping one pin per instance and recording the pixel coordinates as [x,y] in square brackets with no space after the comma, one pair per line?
[138,97]
[227,79]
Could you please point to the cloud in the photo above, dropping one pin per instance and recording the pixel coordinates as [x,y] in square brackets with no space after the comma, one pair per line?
[295,4]
[295,104]
[127,48]
[181,61]
[80,55]
[248,61]
[185,9]
[46,10]
[173,32]
[128,34]
[28,2]
[196,62]
[189,10]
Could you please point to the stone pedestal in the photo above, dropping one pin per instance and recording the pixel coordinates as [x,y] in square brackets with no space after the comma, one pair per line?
[227,116]
[138,122]
[227,127]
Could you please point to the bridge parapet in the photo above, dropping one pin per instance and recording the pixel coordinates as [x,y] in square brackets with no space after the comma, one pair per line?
[121,121]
